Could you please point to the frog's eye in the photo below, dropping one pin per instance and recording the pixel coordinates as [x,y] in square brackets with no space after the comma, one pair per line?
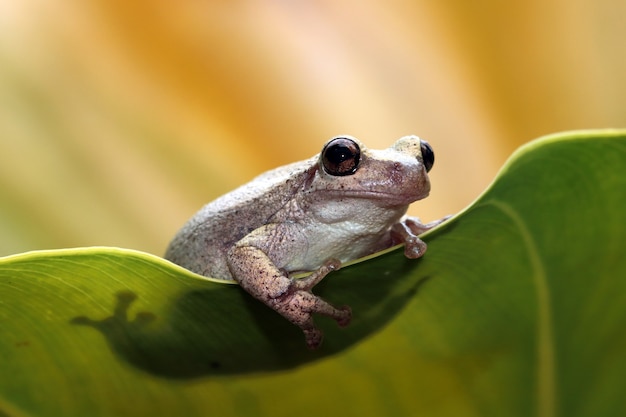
[428,156]
[341,156]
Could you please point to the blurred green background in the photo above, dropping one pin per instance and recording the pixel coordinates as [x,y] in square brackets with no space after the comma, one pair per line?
[118,120]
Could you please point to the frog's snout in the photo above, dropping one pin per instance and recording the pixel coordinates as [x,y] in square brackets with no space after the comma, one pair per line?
[413,145]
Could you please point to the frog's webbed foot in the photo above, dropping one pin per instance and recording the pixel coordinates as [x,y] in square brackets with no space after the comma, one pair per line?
[301,304]
[299,308]
[292,298]
[407,230]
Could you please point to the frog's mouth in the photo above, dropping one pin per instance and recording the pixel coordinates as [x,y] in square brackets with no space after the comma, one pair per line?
[380,198]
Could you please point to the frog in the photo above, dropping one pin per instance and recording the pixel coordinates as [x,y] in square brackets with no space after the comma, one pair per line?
[313,216]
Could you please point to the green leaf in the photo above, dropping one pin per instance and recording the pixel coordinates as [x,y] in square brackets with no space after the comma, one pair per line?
[516,309]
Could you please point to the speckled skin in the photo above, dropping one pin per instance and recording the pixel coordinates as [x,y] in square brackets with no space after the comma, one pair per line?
[299,218]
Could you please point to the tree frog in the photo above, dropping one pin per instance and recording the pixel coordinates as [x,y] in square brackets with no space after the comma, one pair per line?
[344,203]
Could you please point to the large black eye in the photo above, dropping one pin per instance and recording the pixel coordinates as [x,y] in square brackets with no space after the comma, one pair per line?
[428,156]
[341,156]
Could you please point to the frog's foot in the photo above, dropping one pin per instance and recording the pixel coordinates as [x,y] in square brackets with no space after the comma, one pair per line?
[313,304]
[299,307]
[414,247]
[407,231]
[310,281]
[313,337]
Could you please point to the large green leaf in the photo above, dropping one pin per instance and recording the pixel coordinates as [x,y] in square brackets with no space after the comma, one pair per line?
[518,308]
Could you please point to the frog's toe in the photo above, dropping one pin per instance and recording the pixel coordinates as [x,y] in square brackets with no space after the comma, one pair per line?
[414,247]
[344,316]
[313,338]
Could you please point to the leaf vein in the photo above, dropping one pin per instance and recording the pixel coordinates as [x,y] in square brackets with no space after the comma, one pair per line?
[546,366]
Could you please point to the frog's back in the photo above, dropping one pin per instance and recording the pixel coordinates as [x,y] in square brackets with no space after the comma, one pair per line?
[202,243]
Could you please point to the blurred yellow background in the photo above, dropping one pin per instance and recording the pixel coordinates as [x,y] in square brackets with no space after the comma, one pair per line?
[119,119]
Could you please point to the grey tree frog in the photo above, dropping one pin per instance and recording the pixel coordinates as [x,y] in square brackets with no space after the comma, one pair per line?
[344,203]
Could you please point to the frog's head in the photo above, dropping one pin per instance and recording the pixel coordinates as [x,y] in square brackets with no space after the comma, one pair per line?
[364,186]
[393,177]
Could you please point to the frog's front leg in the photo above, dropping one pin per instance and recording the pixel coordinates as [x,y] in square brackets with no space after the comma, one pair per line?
[257,274]
[406,231]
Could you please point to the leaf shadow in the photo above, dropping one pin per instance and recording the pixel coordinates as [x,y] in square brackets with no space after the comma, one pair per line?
[222,330]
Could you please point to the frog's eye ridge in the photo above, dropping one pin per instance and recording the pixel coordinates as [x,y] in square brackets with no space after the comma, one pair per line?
[428,156]
[341,156]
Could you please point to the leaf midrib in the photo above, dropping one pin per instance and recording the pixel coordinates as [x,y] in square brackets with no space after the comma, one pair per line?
[546,366]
